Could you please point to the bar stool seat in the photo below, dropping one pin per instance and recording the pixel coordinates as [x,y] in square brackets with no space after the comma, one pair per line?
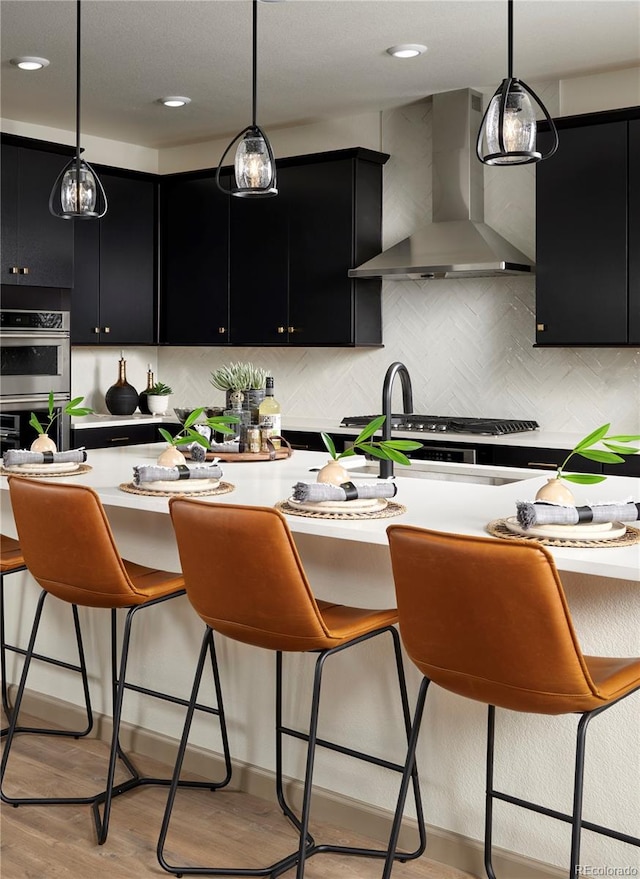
[246,581]
[488,619]
[70,551]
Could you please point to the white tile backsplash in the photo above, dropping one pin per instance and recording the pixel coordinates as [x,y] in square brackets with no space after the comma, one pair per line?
[468,344]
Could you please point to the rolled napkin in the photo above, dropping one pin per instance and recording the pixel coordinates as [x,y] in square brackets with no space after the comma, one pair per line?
[13,457]
[154,473]
[553,514]
[199,453]
[348,491]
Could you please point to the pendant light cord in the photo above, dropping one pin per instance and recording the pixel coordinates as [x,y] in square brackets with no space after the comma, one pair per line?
[255,60]
[509,38]
[78,98]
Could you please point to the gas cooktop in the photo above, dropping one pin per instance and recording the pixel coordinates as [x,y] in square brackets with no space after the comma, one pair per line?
[440,424]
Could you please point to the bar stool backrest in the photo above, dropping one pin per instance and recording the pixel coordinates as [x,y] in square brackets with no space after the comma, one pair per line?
[488,619]
[244,577]
[67,543]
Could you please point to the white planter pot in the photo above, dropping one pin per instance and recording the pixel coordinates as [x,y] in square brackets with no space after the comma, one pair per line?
[158,405]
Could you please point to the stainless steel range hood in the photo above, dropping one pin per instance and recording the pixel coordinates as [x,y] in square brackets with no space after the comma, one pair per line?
[457,244]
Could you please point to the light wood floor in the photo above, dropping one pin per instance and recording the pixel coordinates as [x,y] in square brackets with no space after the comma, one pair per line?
[223,828]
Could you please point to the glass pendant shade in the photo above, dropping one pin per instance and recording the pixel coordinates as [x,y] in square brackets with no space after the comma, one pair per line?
[253,165]
[512,135]
[507,134]
[78,190]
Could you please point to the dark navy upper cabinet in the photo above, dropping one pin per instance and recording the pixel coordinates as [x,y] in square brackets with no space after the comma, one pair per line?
[37,248]
[588,233]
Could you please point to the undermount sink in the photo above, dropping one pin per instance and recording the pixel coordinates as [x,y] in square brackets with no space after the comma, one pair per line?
[442,471]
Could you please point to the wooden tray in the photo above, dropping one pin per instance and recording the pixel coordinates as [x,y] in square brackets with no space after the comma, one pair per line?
[272,455]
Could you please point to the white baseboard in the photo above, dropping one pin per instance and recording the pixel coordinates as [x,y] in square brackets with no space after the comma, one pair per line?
[448,848]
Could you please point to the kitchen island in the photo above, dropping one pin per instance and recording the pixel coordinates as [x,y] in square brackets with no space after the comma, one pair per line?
[348,561]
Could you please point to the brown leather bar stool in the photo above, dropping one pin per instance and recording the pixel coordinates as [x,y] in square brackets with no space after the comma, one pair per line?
[488,619]
[271,605]
[69,549]
[11,562]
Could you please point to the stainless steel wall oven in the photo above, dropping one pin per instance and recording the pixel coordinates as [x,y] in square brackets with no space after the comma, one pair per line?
[35,359]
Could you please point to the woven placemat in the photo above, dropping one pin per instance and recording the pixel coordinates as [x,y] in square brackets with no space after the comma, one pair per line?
[392,509]
[498,529]
[221,488]
[82,468]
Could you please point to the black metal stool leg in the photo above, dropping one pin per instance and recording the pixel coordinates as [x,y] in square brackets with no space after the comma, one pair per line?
[488,808]
[408,774]
[3,658]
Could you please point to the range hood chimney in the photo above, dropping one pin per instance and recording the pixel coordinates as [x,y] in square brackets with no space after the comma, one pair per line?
[458,243]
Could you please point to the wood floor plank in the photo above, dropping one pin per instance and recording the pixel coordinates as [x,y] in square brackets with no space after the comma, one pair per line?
[227,827]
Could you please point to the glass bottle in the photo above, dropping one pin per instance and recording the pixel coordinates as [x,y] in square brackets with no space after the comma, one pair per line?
[269,416]
[143,404]
[237,411]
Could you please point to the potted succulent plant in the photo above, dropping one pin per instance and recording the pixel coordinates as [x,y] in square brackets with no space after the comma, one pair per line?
[251,380]
[43,442]
[158,397]
[392,450]
[172,455]
[616,447]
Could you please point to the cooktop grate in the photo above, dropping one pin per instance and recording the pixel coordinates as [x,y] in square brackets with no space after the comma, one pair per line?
[443,424]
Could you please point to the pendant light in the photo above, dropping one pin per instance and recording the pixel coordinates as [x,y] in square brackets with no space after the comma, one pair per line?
[255,165]
[77,193]
[509,123]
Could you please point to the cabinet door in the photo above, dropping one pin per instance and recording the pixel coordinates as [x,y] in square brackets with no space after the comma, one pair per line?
[85,296]
[195,262]
[634,232]
[321,253]
[39,245]
[9,193]
[128,261]
[259,256]
[581,230]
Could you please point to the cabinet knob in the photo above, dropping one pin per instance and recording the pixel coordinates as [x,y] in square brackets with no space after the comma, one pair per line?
[292,330]
[24,270]
[107,330]
[96,330]
[222,330]
[281,329]
[540,328]
[14,270]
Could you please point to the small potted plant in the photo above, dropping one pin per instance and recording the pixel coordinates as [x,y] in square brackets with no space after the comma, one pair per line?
[158,397]
[43,442]
[392,450]
[172,456]
[615,449]
[245,377]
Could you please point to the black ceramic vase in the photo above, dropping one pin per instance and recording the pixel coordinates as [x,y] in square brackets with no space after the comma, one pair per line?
[121,398]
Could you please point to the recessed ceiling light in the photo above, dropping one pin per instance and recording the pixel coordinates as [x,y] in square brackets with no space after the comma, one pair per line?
[174,101]
[407,50]
[29,62]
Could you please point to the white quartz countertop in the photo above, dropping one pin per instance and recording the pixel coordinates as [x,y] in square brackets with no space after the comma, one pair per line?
[451,506]
[542,439]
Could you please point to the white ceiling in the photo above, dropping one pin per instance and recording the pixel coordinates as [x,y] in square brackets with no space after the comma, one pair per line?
[316,58]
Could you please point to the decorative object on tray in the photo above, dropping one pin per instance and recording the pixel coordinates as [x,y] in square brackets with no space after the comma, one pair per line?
[615,449]
[245,377]
[122,398]
[172,456]
[158,398]
[508,529]
[336,474]
[43,443]
[382,509]
[230,452]
[533,514]
[168,489]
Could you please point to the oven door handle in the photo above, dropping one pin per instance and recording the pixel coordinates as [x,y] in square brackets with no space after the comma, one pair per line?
[34,335]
